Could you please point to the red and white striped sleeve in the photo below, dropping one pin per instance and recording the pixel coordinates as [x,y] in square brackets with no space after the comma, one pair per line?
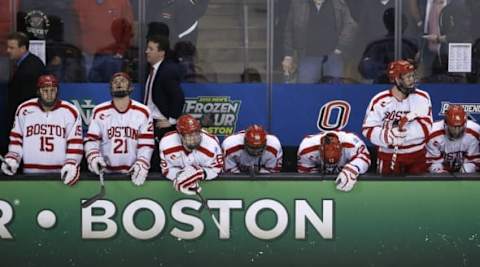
[74,150]
[146,143]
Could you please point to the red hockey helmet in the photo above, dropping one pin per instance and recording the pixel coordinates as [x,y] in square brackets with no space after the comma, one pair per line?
[455,121]
[398,68]
[330,148]
[255,140]
[47,80]
[188,124]
[189,129]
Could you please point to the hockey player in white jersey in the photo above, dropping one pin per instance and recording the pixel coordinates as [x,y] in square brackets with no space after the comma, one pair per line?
[252,151]
[190,155]
[120,134]
[46,135]
[453,143]
[398,121]
[335,152]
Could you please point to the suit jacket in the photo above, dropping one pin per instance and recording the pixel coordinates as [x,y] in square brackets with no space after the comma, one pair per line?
[23,85]
[166,91]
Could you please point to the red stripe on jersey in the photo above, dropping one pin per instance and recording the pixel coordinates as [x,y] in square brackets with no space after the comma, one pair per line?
[118,168]
[14,134]
[310,149]
[424,128]
[102,109]
[16,143]
[145,136]
[75,151]
[272,150]
[422,94]
[94,136]
[435,134]
[233,149]
[35,104]
[42,166]
[173,150]
[75,141]
[472,132]
[369,132]
[472,157]
[95,152]
[407,146]
[144,111]
[205,151]
[169,133]
[304,169]
[380,97]
[348,145]
[434,158]
[426,119]
[143,145]
[69,108]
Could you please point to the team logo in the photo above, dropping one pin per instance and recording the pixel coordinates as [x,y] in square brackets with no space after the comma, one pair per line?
[334,115]
[472,109]
[37,23]
[85,108]
[217,114]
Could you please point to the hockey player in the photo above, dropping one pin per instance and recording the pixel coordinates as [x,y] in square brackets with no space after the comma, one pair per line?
[398,122]
[120,135]
[252,151]
[46,135]
[453,143]
[190,155]
[336,152]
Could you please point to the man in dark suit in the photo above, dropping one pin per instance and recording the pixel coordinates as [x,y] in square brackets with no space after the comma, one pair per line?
[22,84]
[163,94]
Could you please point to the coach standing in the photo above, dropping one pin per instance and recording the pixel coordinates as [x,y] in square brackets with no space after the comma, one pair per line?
[23,81]
[163,94]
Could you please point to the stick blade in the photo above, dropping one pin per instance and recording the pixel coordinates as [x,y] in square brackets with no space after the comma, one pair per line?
[96,197]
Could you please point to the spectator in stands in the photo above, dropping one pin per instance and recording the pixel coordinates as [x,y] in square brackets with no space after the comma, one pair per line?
[186,54]
[317,31]
[336,152]
[380,53]
[96,19]
[111,59]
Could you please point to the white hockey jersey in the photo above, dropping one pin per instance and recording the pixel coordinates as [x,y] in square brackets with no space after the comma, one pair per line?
[120,137]
[238,160]
[451,155]
[174,157]
[385,110]
[46,140]
[354,152]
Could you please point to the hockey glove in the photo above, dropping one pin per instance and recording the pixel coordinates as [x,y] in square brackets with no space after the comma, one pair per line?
[10,166]
[139,172]
[70,173]
[393,136]
[97,164]
[187,180]
[468,168]
[347,178]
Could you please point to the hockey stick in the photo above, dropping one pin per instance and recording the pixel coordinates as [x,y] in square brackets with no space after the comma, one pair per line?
[204,203]
[98,196]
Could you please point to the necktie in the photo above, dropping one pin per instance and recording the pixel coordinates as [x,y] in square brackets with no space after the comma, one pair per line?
[149,85]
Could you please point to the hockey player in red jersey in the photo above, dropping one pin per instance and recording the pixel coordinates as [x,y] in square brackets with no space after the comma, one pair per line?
[398,121]
[46,135]
[120,134]
[453,143]
[336,152]
[252,150]
[190,155]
